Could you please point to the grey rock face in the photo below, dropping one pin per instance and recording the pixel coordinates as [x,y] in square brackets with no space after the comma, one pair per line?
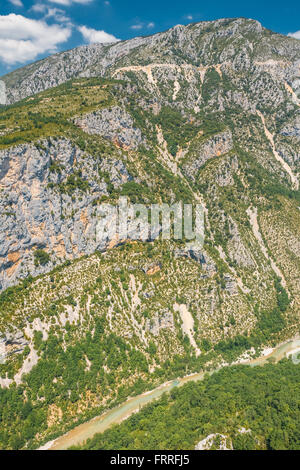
[236,248]
[199,256]
[292,129]
[114,124]
[224,176]
[49,194]
[152,268]
[230,284]
[2,92]
[43,205]
[12,343]
[224,442]
[199,44]
[162,319]
[290,153]
[214,147]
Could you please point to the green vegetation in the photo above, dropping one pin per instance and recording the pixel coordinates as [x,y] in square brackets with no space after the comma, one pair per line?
[110,330]
[211,84]
[41,257]
[49,113]
[177,130]
[84,368]
[73,182]
[265,401]
[137,193]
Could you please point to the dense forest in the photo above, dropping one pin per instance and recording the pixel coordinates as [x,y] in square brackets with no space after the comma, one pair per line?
[254,407]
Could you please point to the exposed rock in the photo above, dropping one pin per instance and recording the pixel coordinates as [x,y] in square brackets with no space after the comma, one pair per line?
[2,92]
[292,129]
[224,176]
[185,45]
[114,124]
[230,284]
[214,147]
[162,319]
[199,256]
[216,441]
[237,249]
[37,211]
[191,117]
[148,294]
[153,268]
[11,342]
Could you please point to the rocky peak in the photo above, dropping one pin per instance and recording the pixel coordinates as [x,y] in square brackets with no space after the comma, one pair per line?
[204,43]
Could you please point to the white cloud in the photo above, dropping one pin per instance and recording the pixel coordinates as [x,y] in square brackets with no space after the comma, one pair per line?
[141,25]
[23,39]
[38,8]
[48,12]
[16,3]
[69,2]
[92,35]
[189,17]
[56,13]
[136,26]
[295,35]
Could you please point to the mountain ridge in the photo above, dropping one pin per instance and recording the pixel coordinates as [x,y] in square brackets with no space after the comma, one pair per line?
[94,52]
[179,116]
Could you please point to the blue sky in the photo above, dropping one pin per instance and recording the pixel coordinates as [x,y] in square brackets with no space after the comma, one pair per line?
[33,29]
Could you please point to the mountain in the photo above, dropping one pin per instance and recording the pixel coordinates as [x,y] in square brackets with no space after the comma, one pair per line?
[243,43]
[207,113]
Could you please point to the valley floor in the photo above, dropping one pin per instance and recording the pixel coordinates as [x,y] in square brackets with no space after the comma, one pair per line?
[101,423]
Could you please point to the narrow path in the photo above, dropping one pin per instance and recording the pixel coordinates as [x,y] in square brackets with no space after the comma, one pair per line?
[284,164]
[290,90]
[187,69]
[252,213]
[176,89]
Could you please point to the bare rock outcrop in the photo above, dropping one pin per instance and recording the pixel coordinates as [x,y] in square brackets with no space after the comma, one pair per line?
[114,124]
[218,145]
[47,201]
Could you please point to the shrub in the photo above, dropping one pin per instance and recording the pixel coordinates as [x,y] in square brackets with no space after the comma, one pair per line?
[41,257]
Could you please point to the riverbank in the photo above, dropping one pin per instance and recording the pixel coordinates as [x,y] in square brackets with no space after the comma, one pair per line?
[99,424]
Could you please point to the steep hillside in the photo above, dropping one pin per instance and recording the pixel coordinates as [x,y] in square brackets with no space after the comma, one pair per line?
[249,421]
[241,44]
[205,113]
